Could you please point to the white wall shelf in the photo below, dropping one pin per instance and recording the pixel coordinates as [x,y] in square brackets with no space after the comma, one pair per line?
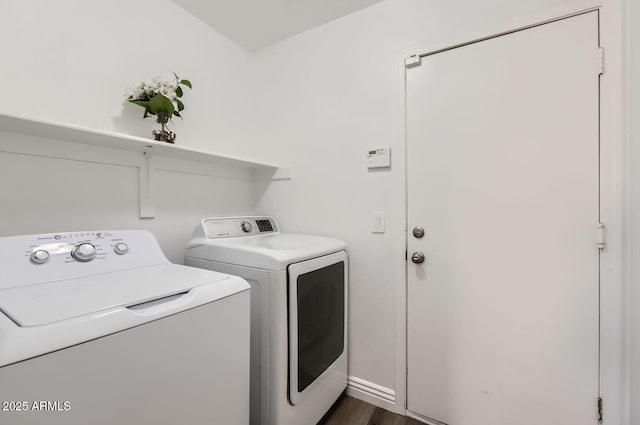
[107,139]
[153,156]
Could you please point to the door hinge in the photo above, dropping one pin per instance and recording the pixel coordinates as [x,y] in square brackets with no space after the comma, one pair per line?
[600,230]
[413,61]
[599,410]
[600,60]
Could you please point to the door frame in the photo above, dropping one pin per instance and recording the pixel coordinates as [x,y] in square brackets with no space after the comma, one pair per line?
[614,358]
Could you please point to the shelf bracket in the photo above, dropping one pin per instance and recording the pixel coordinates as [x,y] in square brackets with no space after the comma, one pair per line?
[146,171]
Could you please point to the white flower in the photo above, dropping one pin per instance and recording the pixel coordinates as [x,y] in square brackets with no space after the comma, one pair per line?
[146,90]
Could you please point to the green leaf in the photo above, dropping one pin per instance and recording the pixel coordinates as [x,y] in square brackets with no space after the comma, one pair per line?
[143,103]
[160,104]
[180,105]
[177,114]
[163,118]
[179,91]
[186,83]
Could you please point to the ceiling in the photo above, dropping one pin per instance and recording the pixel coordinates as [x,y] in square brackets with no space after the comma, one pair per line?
[256,24]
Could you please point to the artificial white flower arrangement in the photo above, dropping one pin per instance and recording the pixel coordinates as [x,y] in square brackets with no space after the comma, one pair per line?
[161,98]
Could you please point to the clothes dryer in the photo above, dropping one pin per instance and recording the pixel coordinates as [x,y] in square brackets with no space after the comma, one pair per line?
[298,312]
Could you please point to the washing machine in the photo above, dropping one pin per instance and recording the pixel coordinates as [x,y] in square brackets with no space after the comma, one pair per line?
[298,312]
[98,327]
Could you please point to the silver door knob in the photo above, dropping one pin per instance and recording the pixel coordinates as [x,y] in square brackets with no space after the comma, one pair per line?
[418,232]
[417,257]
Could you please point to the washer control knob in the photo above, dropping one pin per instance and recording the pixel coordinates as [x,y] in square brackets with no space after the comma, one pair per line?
[84,252]
[121,248]
[40,256]
[246,226]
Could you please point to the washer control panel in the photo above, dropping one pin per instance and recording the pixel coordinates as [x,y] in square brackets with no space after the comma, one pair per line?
[45,257]
[231,227]
[80,247]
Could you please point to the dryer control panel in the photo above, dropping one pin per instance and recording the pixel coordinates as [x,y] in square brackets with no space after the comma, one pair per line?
[232,227]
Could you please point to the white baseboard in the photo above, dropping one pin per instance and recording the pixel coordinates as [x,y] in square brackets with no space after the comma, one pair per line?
[375,394]
[423,419]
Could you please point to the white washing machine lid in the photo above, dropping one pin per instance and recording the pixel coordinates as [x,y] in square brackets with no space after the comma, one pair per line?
[269,251]
[40,320]
[50,302]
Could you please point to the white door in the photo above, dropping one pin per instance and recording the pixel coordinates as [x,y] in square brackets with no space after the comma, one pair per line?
[503,154]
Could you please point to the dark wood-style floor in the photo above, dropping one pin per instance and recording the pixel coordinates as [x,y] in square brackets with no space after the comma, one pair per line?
[351,411]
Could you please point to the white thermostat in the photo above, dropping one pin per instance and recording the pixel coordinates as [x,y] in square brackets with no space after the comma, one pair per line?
[378,158]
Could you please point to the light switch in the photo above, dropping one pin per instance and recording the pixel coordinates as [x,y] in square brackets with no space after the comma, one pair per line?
[378,222]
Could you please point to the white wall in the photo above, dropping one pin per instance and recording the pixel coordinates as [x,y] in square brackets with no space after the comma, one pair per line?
[328,96]
[72,61]
[75,61]
[634,213]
